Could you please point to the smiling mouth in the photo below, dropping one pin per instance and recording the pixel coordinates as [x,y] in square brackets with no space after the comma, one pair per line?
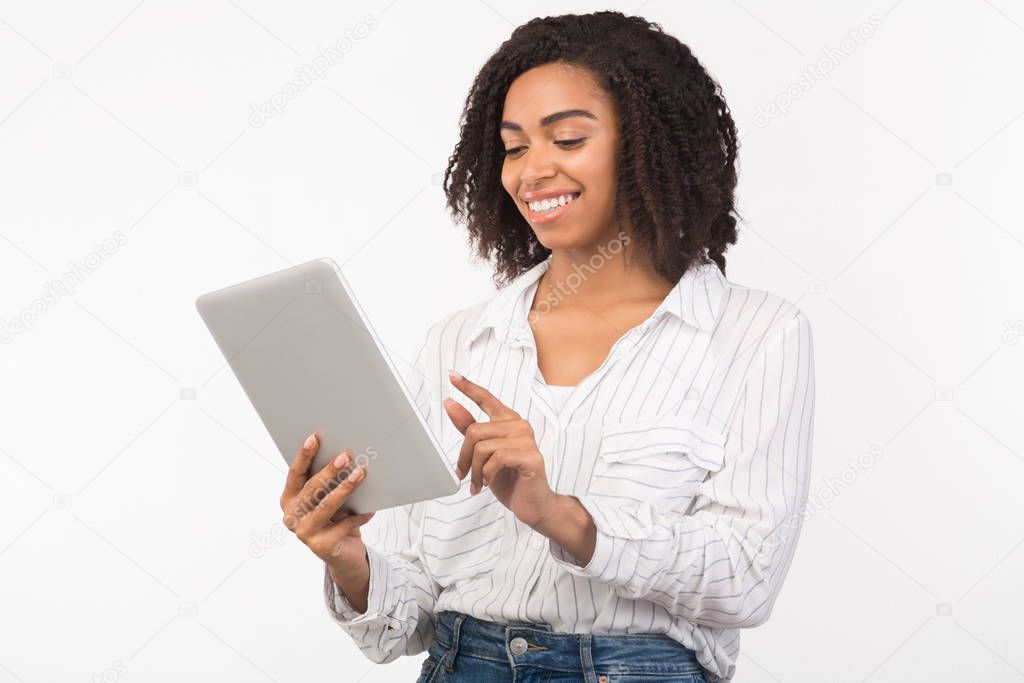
[550,207]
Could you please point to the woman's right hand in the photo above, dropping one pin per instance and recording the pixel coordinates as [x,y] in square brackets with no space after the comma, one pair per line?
[312,509]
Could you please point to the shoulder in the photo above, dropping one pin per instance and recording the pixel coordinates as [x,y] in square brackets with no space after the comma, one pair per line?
[448,336]
[437,351]
[497,310]
[453,328]
[763,341]
[761,317]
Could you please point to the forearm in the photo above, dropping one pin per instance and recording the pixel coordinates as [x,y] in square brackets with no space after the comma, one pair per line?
[354,584]
[718,570]
[571,526]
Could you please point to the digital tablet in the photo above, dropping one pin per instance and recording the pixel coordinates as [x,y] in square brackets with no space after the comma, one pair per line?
[308,359]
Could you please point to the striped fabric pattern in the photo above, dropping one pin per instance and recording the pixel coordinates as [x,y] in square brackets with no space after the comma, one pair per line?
[690,446]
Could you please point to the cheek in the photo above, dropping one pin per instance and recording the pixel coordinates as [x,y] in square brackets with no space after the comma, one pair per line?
[596,174]
[603,164]
[508,181]
[593,168]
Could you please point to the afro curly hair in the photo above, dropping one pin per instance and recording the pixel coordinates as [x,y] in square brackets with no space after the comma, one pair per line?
[676,165]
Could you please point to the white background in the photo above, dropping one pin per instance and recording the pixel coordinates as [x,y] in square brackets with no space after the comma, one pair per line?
[140,530]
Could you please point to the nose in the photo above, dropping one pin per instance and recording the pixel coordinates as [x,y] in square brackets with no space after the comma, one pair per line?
[537,166]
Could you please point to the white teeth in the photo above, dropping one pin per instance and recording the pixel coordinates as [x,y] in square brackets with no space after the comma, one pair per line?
[549,204]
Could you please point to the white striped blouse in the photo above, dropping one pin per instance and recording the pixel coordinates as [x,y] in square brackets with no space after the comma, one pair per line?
[690,446]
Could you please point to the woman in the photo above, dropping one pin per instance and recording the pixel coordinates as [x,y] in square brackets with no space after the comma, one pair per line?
[633,430]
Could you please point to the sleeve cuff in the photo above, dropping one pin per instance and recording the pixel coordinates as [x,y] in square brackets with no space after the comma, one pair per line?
[378,599]
[616,551]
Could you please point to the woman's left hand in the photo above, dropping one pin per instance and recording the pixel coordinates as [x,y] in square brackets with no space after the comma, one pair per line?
[501,454]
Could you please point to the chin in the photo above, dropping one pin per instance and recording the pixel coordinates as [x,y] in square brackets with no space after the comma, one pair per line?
[555,239]
[564,237]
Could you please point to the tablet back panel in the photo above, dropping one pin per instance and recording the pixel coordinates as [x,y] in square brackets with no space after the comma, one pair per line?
[308,360]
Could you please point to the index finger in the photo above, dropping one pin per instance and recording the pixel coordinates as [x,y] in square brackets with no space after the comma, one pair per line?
[298,471]
[494,408]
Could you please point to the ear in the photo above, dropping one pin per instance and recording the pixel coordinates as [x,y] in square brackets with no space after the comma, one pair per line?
[458,414]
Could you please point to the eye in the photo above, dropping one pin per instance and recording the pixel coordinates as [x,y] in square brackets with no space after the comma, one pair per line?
[569,143]
[565,144]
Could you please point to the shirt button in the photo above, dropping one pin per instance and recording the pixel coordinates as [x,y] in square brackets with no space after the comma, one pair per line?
[537,543]
[518,646]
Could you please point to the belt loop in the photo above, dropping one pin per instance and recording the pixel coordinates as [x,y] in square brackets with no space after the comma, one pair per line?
[456,631]
[587,659]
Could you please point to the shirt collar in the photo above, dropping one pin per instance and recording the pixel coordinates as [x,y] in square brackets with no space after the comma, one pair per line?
[695,299]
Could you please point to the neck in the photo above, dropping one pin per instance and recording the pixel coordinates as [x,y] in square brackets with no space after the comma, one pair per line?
[602,275]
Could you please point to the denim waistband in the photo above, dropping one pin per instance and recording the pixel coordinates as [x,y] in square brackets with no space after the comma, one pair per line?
[464,635]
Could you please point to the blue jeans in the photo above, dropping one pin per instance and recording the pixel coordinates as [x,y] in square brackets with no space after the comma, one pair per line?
[471,649]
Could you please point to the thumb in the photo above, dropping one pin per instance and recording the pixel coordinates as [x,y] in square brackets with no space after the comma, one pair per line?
[458,414]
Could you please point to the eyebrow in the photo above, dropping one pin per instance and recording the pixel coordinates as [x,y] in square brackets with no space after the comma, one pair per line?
[551,118]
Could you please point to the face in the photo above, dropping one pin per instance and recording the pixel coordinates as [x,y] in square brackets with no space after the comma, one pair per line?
[560,134]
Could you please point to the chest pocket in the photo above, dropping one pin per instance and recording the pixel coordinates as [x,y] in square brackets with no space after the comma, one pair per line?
[462,534]
[659,460]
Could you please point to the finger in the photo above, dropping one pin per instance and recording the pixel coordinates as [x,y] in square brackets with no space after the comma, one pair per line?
[494,408]
[327,542]
[476,476]
[503,458]
[340,514]
[320,484]
[298,471]
[321,515]
[348,525]
[481,454]
[476,432]
[335,533]
[458,414]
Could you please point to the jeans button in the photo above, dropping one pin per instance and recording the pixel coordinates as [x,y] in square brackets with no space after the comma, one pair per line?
[518,646]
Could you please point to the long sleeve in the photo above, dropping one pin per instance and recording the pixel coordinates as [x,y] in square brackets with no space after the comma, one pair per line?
[723,563]
[398,619]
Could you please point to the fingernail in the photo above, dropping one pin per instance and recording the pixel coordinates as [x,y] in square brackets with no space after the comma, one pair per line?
[356,475]
[310,442]
[340,461]
[454,375]
[458,472]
